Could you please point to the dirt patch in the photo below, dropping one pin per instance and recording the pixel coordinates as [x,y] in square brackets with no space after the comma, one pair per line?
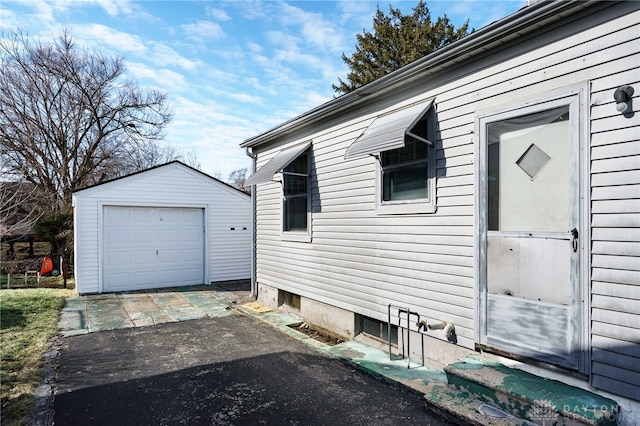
[316,334]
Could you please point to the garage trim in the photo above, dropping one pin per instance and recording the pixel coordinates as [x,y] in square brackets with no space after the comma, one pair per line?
[102,205]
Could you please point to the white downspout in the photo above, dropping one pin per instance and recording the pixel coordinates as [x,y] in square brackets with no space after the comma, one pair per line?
[254,231]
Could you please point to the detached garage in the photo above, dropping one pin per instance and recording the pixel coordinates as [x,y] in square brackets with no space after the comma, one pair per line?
[167,226]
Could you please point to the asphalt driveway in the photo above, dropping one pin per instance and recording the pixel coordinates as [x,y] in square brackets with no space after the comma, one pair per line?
[226,370]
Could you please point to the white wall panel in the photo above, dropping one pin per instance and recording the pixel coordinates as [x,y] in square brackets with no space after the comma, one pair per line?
[227,251]
[361,261]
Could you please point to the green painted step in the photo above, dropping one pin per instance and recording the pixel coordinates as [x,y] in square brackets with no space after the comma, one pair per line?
[461,408]
[530,397]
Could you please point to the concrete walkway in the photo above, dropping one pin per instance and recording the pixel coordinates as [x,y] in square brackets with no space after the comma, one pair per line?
[100,312]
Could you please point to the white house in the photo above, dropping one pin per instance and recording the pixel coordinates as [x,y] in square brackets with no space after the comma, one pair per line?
[491,187]
[167,226]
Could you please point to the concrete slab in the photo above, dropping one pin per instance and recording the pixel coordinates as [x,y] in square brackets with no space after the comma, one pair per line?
[113,311]
[176,306]
[73,317]
[142,310]
[206,302]
[106,313]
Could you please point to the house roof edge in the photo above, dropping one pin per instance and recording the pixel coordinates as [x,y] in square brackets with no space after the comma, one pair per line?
[527,19]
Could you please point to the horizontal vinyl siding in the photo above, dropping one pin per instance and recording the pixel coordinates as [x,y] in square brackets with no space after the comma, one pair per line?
[86,243]
[170,186]
[230,250]
[615,223]
[361,261]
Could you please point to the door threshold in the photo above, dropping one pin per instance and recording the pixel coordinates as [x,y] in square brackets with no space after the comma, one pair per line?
[520,361]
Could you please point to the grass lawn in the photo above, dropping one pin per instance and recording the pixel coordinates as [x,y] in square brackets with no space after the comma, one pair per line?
[28,319]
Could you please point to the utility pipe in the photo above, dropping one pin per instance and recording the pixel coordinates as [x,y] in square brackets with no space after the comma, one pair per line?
[254,231]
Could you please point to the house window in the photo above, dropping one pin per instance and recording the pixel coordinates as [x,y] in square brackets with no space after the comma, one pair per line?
[379,329]
[404,172]
[403,142]
[295,182]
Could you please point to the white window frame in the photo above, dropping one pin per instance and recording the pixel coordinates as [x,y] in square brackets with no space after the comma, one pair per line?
[300,236]
[412,206]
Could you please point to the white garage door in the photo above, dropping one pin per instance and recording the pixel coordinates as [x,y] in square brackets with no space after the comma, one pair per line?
[151,247]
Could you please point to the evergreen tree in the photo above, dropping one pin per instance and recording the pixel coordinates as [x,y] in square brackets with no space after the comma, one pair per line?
[396,40]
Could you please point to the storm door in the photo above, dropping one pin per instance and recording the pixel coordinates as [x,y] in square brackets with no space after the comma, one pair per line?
[529,247]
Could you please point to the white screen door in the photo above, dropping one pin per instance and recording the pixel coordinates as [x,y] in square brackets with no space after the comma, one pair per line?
[529,247]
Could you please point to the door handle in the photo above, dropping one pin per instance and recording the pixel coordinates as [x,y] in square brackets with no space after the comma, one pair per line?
[574,240]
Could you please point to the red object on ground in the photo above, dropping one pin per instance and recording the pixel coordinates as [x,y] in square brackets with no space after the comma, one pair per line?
[47,266]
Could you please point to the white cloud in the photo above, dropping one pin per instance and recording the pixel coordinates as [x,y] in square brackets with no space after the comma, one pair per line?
[164,55]
[213,132]
[211,77]
[203,30]
[314,28]
[282,39]
[98,34]
[37,11]
[8,19]
[252,9]
[245,98]
[164,78]
[357,14]
[218,14]
[255,84]
[319,34]
[254,47]
[114,7]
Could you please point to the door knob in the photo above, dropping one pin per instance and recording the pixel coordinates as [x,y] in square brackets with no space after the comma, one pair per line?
[574,241]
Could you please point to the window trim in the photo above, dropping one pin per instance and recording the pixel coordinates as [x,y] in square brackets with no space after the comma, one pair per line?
[299,236]
[419,205]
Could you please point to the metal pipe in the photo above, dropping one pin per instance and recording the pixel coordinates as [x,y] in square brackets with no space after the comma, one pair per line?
[409,313]
[448,329]
[254,231]
[388,328]
[408,340]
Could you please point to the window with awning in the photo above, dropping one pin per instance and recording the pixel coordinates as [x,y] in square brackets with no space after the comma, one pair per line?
[293,166]
[390,131]
[277,164]
[403,143]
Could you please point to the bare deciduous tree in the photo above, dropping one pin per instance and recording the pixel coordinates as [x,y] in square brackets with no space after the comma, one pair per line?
[18,208]
[19,212]
[70,118]
[237,179]
[191,160]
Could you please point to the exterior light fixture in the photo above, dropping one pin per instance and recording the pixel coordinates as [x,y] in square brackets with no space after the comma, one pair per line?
[623,95]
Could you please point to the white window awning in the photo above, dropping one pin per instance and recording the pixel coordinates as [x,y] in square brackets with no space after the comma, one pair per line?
[277,164]
[388,132]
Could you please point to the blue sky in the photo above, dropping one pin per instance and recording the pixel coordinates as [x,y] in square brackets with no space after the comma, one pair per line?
[232,69]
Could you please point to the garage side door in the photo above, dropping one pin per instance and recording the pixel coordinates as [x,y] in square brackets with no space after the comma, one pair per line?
[152,247]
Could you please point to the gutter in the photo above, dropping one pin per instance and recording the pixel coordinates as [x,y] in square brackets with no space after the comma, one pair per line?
[524,21]
[254,231]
